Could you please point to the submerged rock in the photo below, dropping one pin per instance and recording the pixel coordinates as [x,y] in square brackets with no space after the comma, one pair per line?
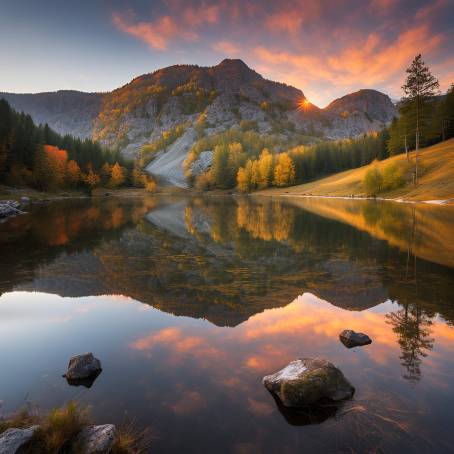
[95,439]
[83,370]
[308,382]
[14,440]
[352,339]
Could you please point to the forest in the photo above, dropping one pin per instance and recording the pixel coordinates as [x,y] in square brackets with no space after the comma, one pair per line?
[38,157]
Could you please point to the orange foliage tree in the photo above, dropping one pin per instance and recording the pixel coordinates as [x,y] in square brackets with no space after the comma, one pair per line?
[49,170]
[73,174]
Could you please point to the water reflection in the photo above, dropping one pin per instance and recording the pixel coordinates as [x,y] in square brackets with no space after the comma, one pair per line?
[226,259]
[199,386]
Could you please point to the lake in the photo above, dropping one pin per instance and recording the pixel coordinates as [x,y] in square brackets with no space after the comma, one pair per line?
[189,302]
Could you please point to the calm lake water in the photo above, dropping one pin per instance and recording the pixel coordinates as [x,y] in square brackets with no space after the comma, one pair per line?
[189,302]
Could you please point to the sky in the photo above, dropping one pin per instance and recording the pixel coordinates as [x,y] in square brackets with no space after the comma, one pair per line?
[327,48]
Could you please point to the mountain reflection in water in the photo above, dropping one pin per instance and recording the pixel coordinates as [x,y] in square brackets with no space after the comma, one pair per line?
[260,282]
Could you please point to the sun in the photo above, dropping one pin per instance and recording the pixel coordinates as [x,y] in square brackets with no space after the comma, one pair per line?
[304,104]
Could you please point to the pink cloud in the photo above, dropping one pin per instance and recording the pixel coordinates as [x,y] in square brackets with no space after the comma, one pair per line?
[182,24]
[289,22]
[226,48]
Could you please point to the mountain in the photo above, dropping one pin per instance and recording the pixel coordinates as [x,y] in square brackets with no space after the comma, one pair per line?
[66,111]
[200,101]
[361,111]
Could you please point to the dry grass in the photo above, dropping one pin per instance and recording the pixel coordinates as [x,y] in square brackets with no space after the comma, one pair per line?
[59,428]
[437,181]
[131,440]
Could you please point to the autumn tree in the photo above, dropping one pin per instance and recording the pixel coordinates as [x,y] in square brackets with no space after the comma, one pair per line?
[419,88]
[139,179]
[49,168]
[284,172]
[265,169]
[73,173]
[118,176]
[91,181]
[220,166]
[105,173]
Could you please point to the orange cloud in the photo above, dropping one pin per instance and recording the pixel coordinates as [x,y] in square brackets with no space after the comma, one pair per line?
[373,62]
[156,34]
[289,22]
[226,47]
[160,32]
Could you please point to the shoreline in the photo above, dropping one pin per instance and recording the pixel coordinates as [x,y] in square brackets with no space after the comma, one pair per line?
[437,202]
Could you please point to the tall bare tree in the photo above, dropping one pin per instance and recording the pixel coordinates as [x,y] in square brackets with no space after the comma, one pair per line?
[419,87]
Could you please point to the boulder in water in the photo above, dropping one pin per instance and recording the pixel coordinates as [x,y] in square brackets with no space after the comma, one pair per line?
[352,339]
[83,370]
[308,382]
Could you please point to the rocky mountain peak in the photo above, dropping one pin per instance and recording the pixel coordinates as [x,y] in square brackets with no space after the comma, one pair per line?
[375,104]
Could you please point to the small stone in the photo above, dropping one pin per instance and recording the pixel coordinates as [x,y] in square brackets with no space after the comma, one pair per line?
[13,440]
[83,370]
[352,339]
[95,439]
[308,382]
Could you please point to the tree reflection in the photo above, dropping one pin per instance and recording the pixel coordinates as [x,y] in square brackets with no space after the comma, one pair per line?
[413,329]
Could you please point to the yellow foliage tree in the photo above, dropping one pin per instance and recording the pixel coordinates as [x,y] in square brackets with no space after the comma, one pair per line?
[118,176]
[265,169]
[284,172]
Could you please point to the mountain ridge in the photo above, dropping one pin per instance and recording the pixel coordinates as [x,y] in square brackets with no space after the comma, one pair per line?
[207,100]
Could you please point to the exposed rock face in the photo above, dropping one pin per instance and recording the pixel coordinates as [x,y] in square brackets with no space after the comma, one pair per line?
[12,441]
[169,164]
[352,339]
[202,163]
[83,370]
[359,112]
[307,382]
[95,439]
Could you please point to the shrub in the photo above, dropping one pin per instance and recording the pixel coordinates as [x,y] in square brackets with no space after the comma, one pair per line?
[393,177]
[373,181]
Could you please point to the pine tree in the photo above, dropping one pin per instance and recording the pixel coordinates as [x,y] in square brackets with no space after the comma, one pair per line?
[419,87]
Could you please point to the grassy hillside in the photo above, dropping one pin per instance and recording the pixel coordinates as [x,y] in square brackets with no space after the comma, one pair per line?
[436,182]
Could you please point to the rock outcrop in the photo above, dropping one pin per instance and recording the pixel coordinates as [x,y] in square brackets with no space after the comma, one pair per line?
[14,440]
[352,339]
[308,382]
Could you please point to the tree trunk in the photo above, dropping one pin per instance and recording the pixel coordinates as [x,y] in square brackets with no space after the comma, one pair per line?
[417,140]
[406,148]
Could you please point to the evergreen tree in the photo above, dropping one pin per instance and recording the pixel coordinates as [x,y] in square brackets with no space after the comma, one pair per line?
[419,88]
